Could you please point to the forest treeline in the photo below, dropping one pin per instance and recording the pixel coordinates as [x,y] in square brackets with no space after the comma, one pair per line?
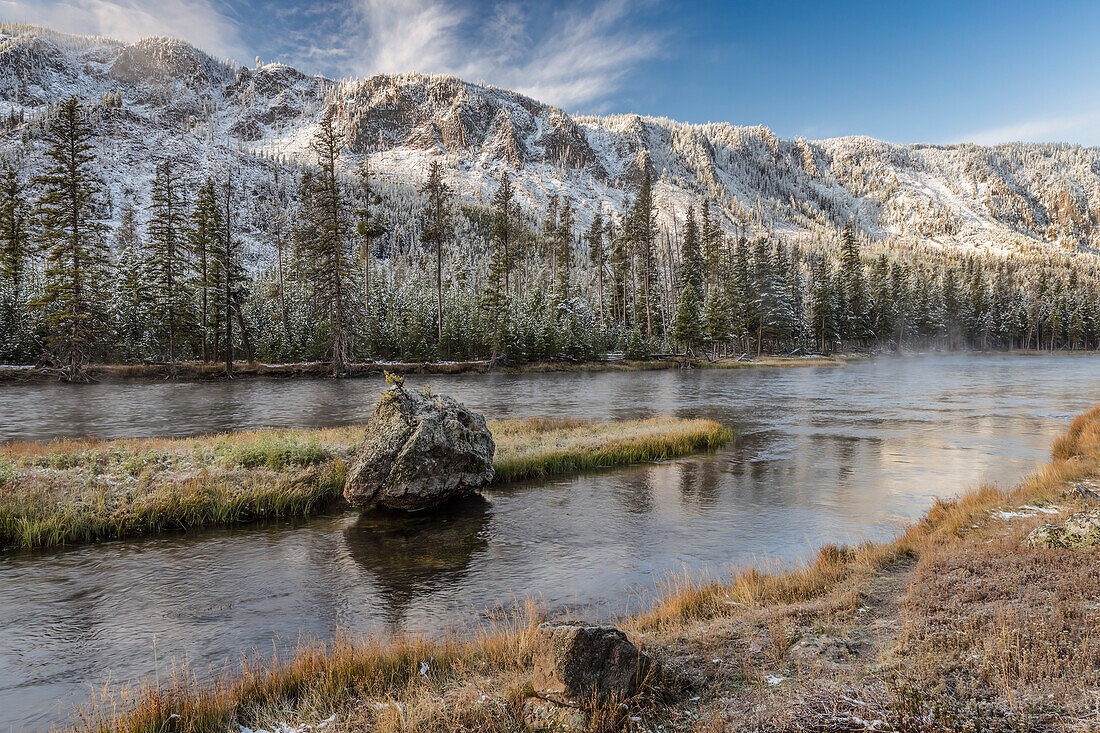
[167,282]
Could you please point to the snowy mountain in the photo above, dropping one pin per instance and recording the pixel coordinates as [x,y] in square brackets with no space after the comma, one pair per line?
[162,97]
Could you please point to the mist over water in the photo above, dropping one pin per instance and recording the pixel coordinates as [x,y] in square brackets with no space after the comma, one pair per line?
[826,454]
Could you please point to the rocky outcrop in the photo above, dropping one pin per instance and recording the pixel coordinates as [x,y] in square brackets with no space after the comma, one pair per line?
[1083,495]
[1078,530]
[419,451]
[586,666]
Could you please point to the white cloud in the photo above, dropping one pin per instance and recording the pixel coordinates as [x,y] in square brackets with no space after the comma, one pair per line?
[1081,128]
[196,21]
[568,57]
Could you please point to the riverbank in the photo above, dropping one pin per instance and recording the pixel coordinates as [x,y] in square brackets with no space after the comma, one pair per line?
[75,491]
[954,625]
[204,371]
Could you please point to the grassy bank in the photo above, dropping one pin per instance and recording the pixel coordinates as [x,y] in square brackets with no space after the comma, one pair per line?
[203,371]
[68,492]
[955,625]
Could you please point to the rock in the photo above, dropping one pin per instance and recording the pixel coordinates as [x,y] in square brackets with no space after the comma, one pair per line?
[819,649]
[544,715]
[1078,530]
[1084,495]
[583,666]
[419,450]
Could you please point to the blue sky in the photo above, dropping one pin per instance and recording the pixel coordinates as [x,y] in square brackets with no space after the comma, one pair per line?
[935,72]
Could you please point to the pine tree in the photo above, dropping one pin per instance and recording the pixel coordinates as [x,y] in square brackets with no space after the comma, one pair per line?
[72,240]
[134,303]
[15,254]
[171,263]
[438,230]
[823,306]
[716,322]
[563,248]
[597,256]
[643,233]
[324,244]
[232,278]
[691,256]
[505,221]
[713,259]
[503,229]
[687,327]
[856,305]
[369,228]
[206,232]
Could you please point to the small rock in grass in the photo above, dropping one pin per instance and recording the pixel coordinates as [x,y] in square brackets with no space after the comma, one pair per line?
[820,648]
[550,717]
[1078,530]
[584,666]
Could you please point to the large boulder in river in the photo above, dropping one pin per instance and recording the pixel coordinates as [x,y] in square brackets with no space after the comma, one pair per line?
[419,450]
[1078,530]
[587,666]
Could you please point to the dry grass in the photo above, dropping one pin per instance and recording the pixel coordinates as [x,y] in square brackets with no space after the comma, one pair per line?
[403,683]
[73,491]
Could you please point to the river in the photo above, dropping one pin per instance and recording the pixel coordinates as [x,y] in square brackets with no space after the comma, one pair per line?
[825,454]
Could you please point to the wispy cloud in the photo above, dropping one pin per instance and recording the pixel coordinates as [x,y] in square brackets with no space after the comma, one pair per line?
[1081,128]
[572,55]
[197,21]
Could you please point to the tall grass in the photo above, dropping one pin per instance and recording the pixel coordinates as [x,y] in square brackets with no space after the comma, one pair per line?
[73,491]
[540,447]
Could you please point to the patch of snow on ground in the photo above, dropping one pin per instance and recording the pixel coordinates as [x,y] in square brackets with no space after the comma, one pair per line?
[281,727]
[1027,510]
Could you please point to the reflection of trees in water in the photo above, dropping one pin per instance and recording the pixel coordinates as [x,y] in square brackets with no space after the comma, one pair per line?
[700,481]
[634,490]
[414,554]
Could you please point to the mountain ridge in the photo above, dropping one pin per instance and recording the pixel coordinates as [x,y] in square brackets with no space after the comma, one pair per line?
[174,99]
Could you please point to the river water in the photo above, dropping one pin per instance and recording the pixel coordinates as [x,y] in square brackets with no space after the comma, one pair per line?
[826,454]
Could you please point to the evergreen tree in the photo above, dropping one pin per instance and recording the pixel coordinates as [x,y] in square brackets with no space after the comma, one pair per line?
[134,303]
[563,247]
[324,245]
[691,256]
[15,254]
[598,256]
[643,234]
[68,210]
[369,228]
[687,327]
[824,306]
[206,232]
[437,230]
[171,262]
[713,259]
[856,304]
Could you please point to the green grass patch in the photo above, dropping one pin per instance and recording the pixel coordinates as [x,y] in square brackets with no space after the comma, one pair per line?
[70,492]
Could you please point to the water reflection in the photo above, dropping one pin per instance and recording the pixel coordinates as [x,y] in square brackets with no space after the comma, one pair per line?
[413,555]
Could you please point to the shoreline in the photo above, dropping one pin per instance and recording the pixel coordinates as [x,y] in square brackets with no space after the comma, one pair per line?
[954,624]
[12,374]
[207,372]
[80,491]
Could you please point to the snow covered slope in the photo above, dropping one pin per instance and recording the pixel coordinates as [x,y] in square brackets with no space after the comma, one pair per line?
[216,117]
